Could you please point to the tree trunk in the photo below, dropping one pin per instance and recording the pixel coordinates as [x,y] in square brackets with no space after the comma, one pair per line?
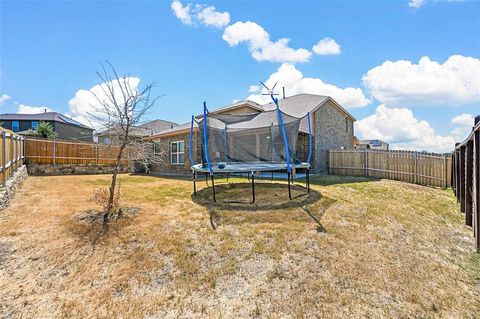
[114,183]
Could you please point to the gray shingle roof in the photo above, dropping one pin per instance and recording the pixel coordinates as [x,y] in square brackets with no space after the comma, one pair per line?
[48,116]
[297,106]
[157,126]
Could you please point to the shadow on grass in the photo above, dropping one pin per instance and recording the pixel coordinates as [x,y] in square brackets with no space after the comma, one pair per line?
[268,196]
[272,204]
[88,227]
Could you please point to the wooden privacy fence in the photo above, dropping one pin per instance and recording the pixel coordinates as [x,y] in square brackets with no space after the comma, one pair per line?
[466,179]
[407,166]
[66,152]
[13,151]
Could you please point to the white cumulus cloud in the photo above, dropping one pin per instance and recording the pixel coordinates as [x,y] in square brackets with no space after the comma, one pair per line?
[463,124]
[253,88]
[83,106]
[400,128]
[206,15]
[182,12]
[28,109]
[209,16]
[416,3]
[4,98]
[292,79]
[430,83]
[464,119]
[326,46]
[261,47]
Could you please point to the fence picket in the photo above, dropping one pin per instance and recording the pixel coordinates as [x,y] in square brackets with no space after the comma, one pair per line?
[413,167]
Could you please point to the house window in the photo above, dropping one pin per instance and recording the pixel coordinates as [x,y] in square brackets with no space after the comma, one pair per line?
[346,124]
[34,125]
[177,155]
[107,140]
[157,148]
[15,126]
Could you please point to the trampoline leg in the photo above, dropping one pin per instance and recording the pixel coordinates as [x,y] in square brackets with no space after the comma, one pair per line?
[253,189]
[194,184]
[206,178]
[308,180]
[213,188]
[289,191]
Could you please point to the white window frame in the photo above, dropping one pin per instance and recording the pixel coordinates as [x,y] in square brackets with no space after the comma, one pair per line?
[18,126]
[177,153]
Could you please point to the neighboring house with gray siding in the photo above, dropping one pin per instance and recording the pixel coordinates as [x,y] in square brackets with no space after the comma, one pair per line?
[332,128]
[66,128]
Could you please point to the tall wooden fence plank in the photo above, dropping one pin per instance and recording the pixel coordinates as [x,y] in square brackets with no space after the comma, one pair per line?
[407,166]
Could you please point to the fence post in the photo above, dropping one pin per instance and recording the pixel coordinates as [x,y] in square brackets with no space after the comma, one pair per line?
[366,161]
[96,154]
[329,160]
[16,153]
[445,170]
[4,158]
[11,154]
[54,152]
[415,167]
[24,150]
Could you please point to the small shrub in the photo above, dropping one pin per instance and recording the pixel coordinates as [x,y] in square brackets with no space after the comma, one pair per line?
[43,130]
[100,197]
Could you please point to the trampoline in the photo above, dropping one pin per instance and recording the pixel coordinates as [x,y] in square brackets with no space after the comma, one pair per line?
[250,143]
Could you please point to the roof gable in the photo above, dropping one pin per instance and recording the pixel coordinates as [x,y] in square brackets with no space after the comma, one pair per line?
[299,105]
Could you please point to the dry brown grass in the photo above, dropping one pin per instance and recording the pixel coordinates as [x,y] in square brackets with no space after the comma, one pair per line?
[383,249]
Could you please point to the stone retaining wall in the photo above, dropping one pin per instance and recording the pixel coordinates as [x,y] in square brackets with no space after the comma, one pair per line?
[69,169]
[12,184]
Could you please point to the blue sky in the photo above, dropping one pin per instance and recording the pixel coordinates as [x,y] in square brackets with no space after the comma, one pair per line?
[51,49]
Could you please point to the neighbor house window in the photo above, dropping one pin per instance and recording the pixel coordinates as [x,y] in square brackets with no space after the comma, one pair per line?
[15,126]
[346,124]
[107,140]
[177,152]
[157,148]
[34,124]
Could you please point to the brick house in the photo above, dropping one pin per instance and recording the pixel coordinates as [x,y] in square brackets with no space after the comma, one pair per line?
[332,128]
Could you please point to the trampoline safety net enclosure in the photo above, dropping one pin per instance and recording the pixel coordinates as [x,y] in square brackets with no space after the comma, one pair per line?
[248,143]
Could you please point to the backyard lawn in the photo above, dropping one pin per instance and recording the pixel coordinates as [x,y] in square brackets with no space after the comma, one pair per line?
[355,248]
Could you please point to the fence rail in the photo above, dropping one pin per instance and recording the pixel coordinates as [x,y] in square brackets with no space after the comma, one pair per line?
[466,179]
[12,157]
[66,152]
[407,166]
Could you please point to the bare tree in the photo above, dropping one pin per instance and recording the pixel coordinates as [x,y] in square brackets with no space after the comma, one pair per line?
[118,110]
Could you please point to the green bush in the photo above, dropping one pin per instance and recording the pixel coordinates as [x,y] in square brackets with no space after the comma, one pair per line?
[43,130]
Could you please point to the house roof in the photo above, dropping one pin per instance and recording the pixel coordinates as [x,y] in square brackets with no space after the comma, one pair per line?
[157,126]
[47,116]
[179,129]
[297,105]
[373,142]
[147,129]
[247,103]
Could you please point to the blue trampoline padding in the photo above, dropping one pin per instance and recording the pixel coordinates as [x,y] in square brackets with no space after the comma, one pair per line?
[248,167]
[205,136]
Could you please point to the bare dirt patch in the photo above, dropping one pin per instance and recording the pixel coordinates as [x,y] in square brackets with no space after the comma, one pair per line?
[361,249]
